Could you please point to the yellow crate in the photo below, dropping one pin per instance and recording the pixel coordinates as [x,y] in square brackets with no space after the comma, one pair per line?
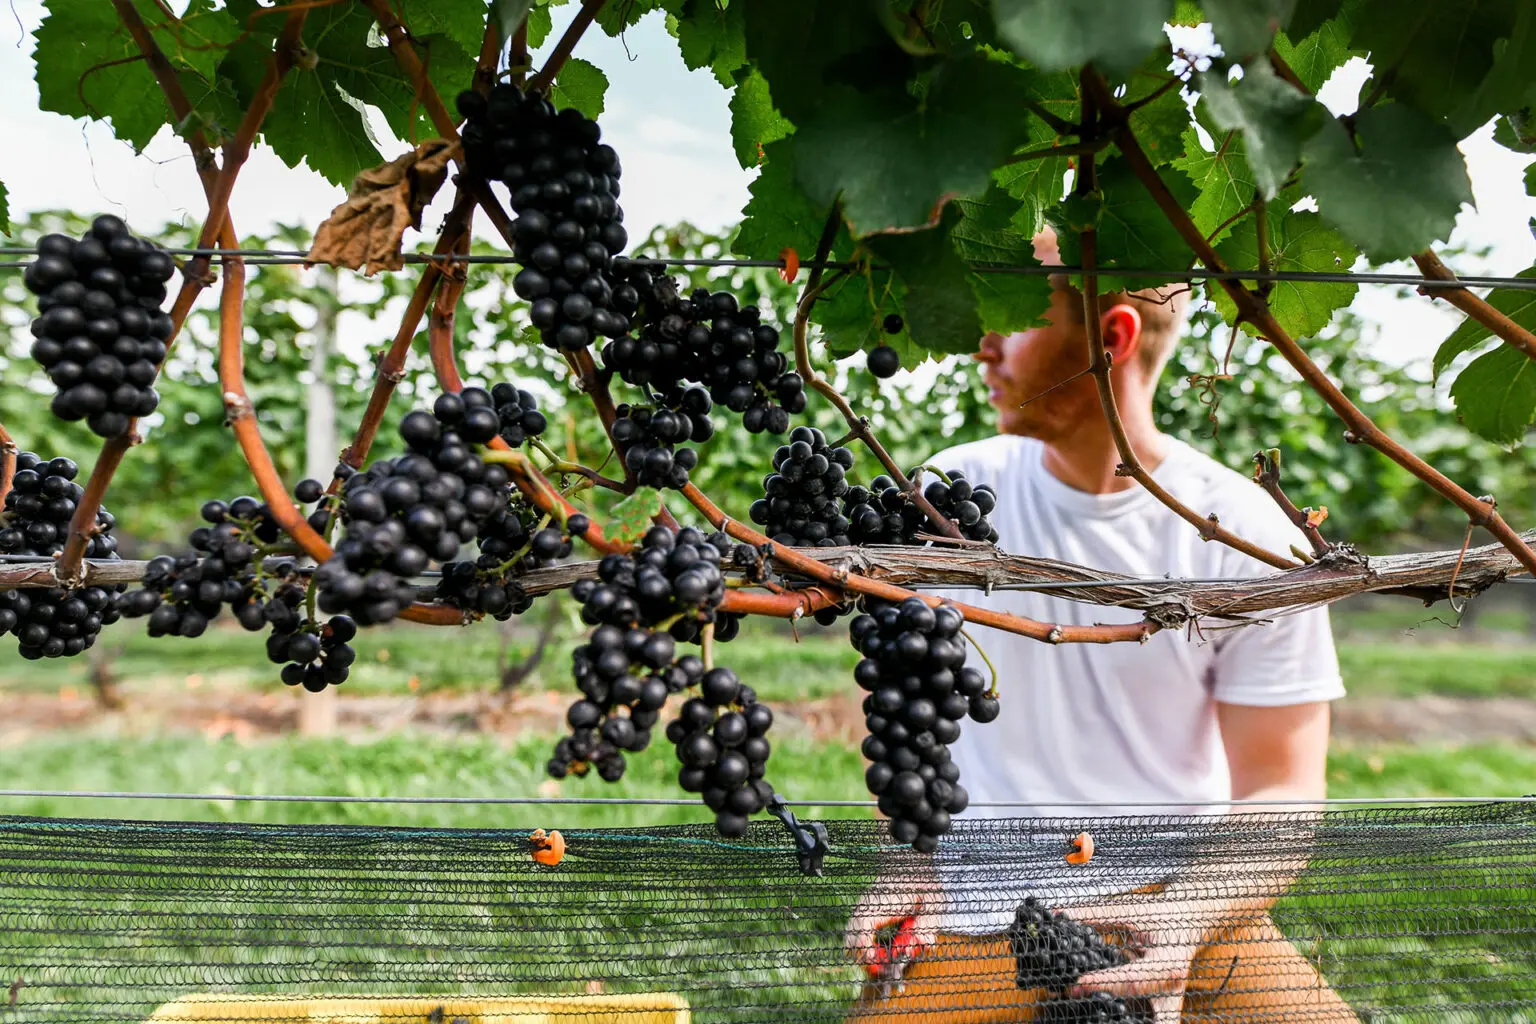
[642,1008]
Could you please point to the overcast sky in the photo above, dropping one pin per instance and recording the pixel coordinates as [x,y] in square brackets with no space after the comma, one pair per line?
[671,127]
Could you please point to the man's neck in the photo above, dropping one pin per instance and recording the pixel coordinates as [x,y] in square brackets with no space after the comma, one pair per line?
[1087,458]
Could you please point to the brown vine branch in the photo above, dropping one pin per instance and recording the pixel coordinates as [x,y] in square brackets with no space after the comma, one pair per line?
[564,48]
[1099,365]
[799,562]
[1250,307]
[1267,476]
[517,57]
[490,55]
[1474,306]
[858,426]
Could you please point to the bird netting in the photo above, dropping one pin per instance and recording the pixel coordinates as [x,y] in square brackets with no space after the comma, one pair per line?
[1412,914]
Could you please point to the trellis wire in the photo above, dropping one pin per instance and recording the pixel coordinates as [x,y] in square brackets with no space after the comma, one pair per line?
[296,257]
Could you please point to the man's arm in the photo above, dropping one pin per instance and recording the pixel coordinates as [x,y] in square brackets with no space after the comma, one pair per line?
[1276,753]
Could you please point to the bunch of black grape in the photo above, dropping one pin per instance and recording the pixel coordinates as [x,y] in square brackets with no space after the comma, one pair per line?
[919,691]
[565,188]
[511,543]
[182,594]
[882,514]
[52,622]
[801,508]
[721,739]
[649,438]
[100,332]
[1097,1008]
[708,339]
[518,411]
[41,502]
[403,513]
[1052,951]
[314,655]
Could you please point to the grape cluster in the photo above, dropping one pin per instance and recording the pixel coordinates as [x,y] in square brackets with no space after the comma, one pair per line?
[511,543]
[52,622]
[625,676]
[919,691]
[183,594]
[882,514]
[649,438]
[1052,951]
[41,502]
[708,339]
[518,411]
[721,739]
[565,186]
[1097,1008]
[403,513]
[100,333]
[801,507]
[312,655]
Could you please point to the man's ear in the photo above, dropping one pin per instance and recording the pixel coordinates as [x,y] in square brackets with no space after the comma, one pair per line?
[1122,332]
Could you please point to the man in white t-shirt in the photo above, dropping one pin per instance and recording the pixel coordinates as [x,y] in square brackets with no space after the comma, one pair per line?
[1191,716]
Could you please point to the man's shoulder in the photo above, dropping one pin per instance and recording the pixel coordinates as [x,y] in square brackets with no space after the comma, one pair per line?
[987,456]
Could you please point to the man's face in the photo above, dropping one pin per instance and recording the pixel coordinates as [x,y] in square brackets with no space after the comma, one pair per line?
[1027,365]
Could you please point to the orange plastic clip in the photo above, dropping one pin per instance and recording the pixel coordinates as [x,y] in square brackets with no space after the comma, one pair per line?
[791,268]
[548,847]
[1082,849]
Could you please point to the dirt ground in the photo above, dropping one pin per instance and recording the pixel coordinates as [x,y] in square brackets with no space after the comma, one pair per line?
[245,715]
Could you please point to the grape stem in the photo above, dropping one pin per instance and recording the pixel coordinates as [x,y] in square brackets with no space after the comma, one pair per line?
[1267,475]
[559,465]
[1251,307]
[509,564]
[7,463]
[992,692]
[858,426]
[1099,365]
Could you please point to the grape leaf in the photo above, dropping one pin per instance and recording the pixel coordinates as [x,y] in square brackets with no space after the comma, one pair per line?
[1309,14]
[940,309]
[803,47]
[1299,241]
[5,210]
[540,24]
[89,66]
[462,21]
[1006,302]
[779,213]
[1245,27]
[1274,118]
[582,85]
[712,36]
[630,518]
[1159,125]
[1226,184]
[895,161]
[614,18]
[1114,34]
[1400,191]
[851,311]
[1530,180]
[754,121]
[1518,305]
[1438,53]
[1495,395]
[1315,56]
[1133,232]
[1516,131]
[1038,185]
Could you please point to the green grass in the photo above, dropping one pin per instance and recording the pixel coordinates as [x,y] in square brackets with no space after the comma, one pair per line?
[1457,670]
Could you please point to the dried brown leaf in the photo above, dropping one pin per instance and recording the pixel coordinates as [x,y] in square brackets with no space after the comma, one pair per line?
[366,230]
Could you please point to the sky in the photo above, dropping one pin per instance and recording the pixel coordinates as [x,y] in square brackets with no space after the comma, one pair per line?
[672,128]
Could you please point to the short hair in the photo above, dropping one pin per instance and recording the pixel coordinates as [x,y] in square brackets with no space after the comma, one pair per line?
[1164,311]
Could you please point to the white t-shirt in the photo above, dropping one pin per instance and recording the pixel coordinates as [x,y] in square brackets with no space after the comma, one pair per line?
[1120,723]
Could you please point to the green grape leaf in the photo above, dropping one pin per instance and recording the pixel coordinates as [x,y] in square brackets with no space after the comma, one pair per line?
[1309,14]
[1159,125]
[714,37]
[779,214]
[1113,34]
[1437,53]
[1298,241]
[1518,305]
[1400,191]
[580,84]
[1245,27]
[462,21]
[940,310]
[630,518]
[5,210]
[1133,232]
[1530,180]
[1038,185]
[1222,175]
[1495,395]
[1274,118]
[754,121]
[540,24]
[89,66]
[1516,131]
[851,313]
[803,47]
[1316,55]
[1006,302]
[311,121]
[896,162]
